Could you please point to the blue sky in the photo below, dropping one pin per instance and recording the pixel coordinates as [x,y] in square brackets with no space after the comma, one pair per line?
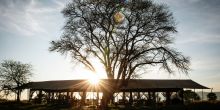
[27,27]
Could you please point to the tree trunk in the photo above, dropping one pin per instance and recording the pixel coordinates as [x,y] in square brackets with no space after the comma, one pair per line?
[18,95]
[83,99]
[168,94]
[108,94]
[105,100]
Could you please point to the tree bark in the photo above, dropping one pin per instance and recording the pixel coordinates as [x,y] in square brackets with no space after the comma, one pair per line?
[83,99]
[18,95]
[108,95]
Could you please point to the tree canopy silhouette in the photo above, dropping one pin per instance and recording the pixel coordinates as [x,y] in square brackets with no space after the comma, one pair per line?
[142,38]
[124,35]
[13,74]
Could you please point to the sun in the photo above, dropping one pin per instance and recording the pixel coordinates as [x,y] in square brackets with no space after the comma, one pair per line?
[94,79]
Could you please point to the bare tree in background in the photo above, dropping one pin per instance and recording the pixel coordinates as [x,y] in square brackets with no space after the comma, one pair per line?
[13,74]
[123,36]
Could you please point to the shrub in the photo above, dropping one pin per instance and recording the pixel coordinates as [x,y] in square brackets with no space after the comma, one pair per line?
[190,95]
[211,96]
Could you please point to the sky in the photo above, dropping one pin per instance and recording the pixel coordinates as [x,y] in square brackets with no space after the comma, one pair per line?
[28,26]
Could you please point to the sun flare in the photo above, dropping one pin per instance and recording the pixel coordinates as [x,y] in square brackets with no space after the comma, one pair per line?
[94,79]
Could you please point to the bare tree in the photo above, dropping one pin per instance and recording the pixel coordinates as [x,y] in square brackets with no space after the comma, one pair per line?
[13,74]
[123,36]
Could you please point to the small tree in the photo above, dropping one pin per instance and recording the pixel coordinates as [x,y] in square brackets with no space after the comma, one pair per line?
[13,74]
[211,96]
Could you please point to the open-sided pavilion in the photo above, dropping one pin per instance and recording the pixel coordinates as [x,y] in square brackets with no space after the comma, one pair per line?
[134,90]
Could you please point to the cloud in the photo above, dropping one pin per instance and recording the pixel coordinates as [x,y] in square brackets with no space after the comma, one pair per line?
[198,20]
[198,37]
[27,17]
[206,63]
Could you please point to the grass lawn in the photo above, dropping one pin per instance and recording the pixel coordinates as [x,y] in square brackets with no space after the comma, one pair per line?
[11,105]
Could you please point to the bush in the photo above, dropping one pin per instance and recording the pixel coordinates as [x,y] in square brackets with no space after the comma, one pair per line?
[211,96]
[176,101]
[190,95]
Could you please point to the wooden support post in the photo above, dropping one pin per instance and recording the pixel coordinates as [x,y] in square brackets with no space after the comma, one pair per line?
[113,98]
[154,97]
[30,94]
[56,95]
[40,95]
[59,96]
[49,96]
[168,94]
[157,97]
[138,96]
[52,96]
[71,94]
[68,95]
[123,96]
[181,96]
[149,95]
[131,98]
[194,92]
[97,97]
[202,94]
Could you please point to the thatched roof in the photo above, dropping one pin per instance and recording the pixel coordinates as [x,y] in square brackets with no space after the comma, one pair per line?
[133,85]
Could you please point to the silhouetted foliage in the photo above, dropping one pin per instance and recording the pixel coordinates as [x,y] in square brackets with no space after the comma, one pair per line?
[176,101]
[123,36]
[189,95]
[13,74]
[211,96]
[142,39]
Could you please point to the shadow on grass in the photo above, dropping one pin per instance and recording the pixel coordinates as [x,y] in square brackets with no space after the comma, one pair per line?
[11,105]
